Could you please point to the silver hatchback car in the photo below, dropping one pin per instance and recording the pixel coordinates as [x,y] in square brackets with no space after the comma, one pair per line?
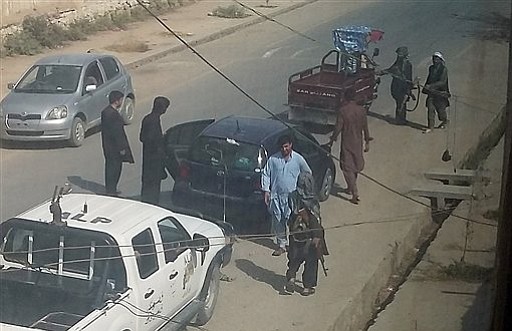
[61,97]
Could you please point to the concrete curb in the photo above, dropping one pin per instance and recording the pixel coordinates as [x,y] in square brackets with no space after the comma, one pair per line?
[214,36]
[356,314]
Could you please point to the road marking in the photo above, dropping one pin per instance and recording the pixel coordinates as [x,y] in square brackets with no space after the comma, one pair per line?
[271,52]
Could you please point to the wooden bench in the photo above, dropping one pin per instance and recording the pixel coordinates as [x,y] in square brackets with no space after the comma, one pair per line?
[442,192]
[451,177]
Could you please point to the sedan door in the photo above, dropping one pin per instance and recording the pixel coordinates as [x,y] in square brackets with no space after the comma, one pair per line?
[93,102]
[178,140]
[315,156]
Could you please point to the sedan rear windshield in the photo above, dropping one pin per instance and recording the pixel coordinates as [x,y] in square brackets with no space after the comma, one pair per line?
[50,79]
[226,152]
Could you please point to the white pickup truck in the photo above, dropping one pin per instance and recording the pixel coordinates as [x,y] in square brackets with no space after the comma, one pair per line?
[101,263]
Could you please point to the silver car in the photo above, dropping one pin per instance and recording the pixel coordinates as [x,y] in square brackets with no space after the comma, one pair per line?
[61,97]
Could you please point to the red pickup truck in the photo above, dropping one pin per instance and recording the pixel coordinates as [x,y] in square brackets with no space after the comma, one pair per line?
[315,94]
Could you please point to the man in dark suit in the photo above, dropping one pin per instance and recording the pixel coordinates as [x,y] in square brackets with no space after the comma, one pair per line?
[401,84]
[116,148]
[153,153]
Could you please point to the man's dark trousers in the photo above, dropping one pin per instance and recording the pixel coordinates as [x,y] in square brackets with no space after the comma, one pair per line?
[113,166]
[303,252]
[436,105]
[400,111]
[150,192]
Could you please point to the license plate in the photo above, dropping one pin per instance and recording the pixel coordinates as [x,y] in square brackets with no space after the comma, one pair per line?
[22,125]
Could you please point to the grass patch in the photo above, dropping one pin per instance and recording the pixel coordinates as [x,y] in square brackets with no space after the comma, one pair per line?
[465,272]
[21,43]
[38,32]
[232,11]
[133,46]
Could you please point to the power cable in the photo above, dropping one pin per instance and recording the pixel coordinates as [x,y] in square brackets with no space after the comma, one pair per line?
[186,244]
[274,116]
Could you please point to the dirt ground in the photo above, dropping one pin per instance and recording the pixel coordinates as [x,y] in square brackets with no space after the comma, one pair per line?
[139,39]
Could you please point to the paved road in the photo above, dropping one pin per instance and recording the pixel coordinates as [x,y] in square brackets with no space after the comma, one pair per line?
[260,60]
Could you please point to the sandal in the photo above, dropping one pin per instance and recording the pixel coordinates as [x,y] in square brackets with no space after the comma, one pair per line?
[308,291]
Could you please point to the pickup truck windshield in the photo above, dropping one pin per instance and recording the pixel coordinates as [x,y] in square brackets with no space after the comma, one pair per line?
[60,250]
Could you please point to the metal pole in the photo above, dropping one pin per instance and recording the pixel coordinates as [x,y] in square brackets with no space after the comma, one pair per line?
[501,318]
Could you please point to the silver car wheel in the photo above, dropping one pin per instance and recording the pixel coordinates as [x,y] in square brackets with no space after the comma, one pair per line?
[128,110]
[77,132]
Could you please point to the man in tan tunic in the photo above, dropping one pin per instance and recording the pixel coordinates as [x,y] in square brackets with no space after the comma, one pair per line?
[352,123]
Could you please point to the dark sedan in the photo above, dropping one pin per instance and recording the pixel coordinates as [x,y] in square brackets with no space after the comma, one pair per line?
[217,164]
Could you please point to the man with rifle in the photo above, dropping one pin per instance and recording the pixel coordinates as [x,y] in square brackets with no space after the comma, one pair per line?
[306,242]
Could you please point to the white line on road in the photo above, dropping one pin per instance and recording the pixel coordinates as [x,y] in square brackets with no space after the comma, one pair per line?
[271,52]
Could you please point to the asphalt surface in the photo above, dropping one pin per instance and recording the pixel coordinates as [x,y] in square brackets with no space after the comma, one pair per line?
[259,59]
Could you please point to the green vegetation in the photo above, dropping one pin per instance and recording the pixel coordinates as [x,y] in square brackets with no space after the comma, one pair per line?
[39,32]
[232,11]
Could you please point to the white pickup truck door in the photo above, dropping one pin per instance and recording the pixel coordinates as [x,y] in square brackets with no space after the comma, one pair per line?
[153,281]
[179,264]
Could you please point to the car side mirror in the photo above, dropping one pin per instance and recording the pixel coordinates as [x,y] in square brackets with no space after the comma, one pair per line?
[200,243]
[376,51]
[10,86]
[90,88]
[262,157]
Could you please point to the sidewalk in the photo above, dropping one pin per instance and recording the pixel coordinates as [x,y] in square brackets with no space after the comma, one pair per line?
[440,294]
[191,22]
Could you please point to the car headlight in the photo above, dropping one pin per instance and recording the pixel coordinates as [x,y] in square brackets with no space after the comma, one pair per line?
[57,113]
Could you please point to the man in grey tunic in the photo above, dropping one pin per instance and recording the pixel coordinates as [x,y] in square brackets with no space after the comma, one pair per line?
[278,180]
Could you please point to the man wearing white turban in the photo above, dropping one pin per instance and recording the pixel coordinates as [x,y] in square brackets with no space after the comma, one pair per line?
[438,93]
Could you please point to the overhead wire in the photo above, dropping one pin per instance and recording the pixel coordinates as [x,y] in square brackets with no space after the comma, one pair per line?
[273,115]
[188,243]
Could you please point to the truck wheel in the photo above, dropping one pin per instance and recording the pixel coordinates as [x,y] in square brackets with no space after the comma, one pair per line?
[209,296]
[326,186]
[128,111]
[77,135]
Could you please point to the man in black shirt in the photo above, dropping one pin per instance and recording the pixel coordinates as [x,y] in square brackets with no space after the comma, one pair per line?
[153,152]
[401,84]
[116,148]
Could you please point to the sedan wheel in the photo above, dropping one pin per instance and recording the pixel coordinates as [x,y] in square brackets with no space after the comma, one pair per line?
[128,111]
[327,182]
[77,132]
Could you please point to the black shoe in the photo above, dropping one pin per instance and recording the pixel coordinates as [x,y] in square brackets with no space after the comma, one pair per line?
[279,251]
[442,125]
[290,286]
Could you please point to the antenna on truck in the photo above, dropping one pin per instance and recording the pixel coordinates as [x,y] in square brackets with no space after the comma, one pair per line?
[55,208]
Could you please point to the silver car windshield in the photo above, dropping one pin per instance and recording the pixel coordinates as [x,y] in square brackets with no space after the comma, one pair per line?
[50,79]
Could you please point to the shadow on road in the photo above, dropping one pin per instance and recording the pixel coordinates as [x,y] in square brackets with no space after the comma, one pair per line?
[261,274]
[391,120]
[87,184]
[478,316]
[32,145]
[265,242]
[39,145]
[494,26]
